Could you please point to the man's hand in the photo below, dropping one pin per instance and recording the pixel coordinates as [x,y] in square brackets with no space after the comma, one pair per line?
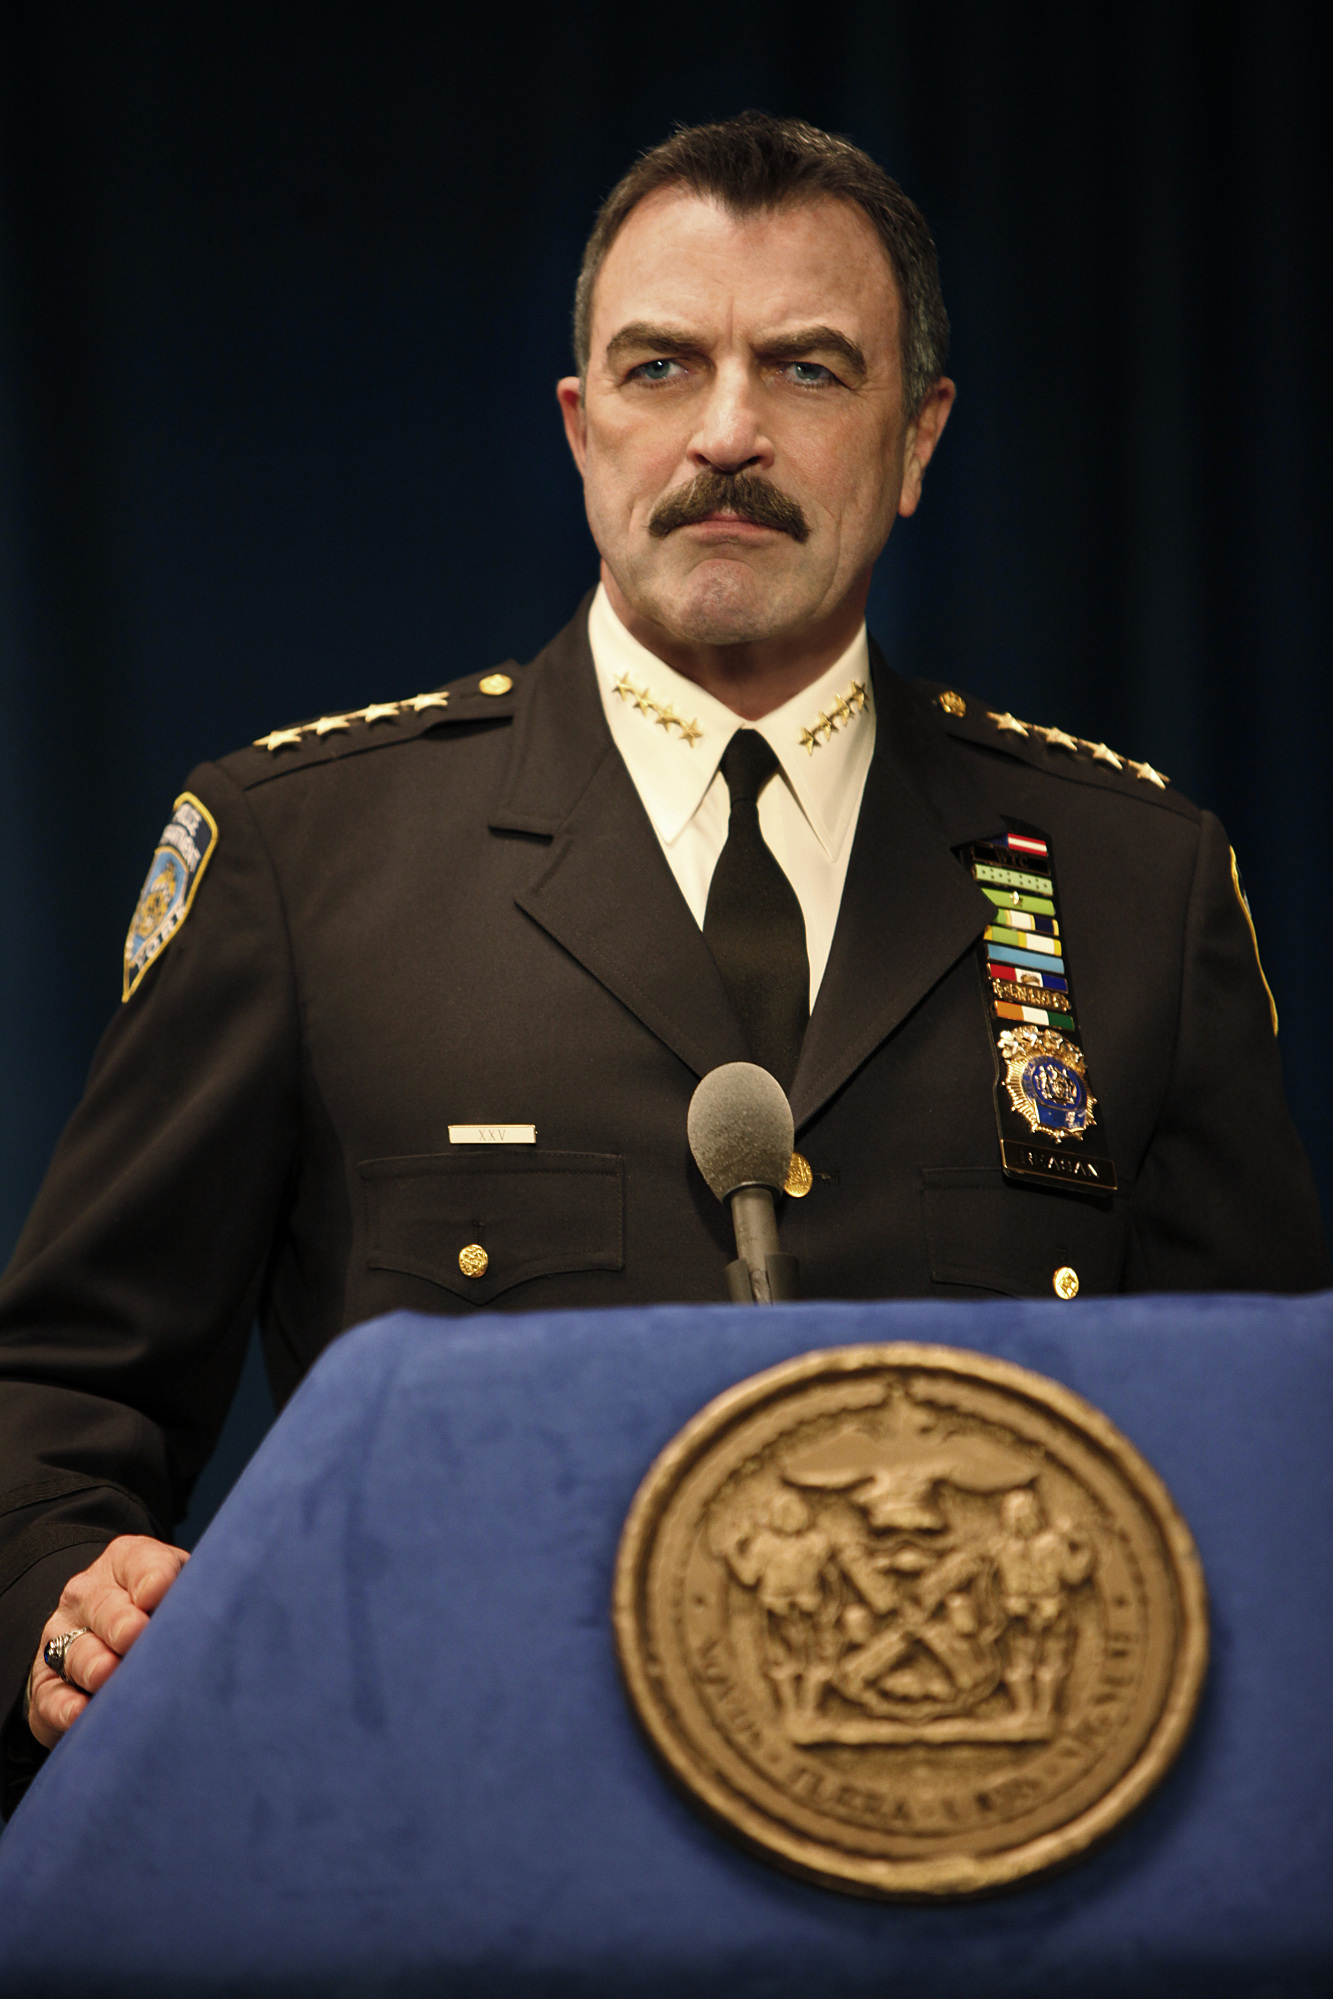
[114,1599]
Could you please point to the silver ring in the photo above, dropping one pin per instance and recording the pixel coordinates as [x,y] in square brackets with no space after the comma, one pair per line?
[55,1649]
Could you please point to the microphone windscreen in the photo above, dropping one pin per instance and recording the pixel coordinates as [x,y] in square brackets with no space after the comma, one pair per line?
[740,1128]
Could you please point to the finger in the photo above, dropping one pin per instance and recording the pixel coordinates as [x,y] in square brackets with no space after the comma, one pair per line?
[53,1707]
[95,1600]
[89,1662]
[145,1569]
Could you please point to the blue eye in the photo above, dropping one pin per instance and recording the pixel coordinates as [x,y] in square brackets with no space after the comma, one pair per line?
[655,371]
[810,374]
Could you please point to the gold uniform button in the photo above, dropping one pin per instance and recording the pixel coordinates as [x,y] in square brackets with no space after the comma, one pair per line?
[495,683]
[1065,1282]
[799,1178]
[951,703]
[474,1262]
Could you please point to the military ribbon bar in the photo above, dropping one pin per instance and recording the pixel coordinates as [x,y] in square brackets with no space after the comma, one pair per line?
[1044,1103]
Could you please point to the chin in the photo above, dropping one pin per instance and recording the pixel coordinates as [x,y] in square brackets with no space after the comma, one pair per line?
[727,604]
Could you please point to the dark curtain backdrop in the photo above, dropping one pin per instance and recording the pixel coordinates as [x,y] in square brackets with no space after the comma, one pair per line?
[284,291]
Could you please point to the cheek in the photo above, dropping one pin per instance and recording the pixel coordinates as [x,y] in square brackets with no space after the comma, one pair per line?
[854,477]
[628,470]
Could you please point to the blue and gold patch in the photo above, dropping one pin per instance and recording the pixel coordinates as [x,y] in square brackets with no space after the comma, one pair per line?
[183,852]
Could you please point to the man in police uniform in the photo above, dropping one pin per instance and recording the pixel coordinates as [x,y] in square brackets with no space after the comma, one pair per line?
[416,997]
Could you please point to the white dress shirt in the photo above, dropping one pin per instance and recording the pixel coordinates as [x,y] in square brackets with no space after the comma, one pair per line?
[671,734]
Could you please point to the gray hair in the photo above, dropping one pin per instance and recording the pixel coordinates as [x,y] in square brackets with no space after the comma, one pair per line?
[753,162]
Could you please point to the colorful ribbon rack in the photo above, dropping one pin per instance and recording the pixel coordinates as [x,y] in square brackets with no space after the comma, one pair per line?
[1043,1100]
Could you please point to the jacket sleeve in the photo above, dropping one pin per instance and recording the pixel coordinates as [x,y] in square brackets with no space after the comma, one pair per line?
[1225,1200]
[125,1313]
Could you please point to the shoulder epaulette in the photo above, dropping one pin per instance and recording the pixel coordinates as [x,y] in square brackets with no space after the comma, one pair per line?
[1052,749]
[484,697]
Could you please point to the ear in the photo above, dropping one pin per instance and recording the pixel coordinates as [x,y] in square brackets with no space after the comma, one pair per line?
[569,394]
[923,434]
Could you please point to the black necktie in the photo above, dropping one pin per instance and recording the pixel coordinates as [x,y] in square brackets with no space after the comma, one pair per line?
[753,923]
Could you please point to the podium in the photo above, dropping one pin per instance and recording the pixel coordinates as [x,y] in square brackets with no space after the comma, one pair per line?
[375,1739]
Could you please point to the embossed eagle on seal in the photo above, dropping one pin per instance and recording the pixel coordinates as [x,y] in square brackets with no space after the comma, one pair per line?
[910,1620]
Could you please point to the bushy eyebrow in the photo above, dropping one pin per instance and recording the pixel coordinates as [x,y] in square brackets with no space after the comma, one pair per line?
[807,340]
[795,346]
[639,333]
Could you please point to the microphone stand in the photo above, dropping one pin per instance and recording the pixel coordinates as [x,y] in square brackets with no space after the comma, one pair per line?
[762,1274]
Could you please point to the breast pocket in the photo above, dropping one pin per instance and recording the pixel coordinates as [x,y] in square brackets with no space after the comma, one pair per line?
[477,1222]
[984,1232]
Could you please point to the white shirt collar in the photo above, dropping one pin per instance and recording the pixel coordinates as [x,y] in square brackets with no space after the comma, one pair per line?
[823,737]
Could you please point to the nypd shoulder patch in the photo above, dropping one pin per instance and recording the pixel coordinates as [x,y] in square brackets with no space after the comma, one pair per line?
[183,852]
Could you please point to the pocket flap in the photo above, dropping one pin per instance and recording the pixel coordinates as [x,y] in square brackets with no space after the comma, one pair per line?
[983,1231]
[531,1213]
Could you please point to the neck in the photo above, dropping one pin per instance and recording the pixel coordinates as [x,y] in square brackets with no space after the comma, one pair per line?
[752,677]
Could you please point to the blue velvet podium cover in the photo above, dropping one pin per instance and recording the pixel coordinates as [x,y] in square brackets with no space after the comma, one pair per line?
[375,1739]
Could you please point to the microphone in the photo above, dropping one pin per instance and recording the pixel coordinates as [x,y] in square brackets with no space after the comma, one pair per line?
[741,1132]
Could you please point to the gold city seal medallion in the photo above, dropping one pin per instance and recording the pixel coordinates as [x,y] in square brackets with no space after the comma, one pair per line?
[911,1620]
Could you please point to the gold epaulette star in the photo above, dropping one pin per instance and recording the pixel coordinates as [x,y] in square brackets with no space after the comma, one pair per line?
[1057,739]
[420,701]
[279,739]
[1147,775]
[328,723]
[380,711]
[1101,755]
[1010,722]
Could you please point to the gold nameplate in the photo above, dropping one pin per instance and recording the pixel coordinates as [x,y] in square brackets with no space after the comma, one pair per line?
[492,1134]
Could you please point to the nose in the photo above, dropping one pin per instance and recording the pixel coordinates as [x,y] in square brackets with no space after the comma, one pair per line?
[730,436]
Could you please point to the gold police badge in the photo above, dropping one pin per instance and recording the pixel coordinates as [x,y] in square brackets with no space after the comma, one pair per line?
[910,1620]
[1046,1079]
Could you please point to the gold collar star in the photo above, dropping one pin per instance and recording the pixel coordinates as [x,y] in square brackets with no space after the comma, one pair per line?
[279,739]
[1009,722]
[641,699]
[842,711]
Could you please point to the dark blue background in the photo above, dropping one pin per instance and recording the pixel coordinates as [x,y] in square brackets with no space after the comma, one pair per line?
[284,291]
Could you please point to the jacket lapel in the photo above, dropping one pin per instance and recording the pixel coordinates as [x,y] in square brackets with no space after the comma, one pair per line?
[604,891]
[909,911]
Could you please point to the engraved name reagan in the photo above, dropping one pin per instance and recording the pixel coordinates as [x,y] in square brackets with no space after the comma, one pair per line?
[912,1620]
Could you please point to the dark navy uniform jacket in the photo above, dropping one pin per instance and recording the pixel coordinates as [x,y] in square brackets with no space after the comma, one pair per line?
[462,915]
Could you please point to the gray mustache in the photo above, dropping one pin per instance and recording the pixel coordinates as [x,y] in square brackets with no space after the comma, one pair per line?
[738,493]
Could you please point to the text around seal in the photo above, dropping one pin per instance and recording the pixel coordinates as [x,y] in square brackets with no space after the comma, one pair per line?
[911,1620]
